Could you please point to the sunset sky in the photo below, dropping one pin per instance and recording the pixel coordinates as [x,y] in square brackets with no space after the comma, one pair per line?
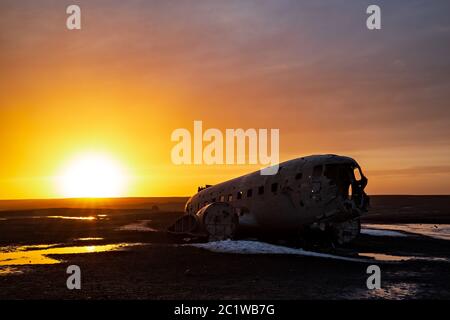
[137,70]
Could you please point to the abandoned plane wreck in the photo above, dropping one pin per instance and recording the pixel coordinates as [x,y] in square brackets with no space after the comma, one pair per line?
[319,192]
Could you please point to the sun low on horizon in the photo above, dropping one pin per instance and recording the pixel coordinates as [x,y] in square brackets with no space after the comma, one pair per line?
[91,112]
[92,175]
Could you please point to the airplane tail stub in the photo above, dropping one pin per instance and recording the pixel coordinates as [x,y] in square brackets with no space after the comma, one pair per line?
[186,224]
[216,221]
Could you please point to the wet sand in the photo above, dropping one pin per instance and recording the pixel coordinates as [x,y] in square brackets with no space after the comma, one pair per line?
[162,267]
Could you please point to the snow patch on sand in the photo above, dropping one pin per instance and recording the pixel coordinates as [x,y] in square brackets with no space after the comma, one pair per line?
[141,226]
[257,247]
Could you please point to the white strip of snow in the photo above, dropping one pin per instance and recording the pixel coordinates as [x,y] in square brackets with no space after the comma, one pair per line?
[382,233]
[257,247]
[141,225]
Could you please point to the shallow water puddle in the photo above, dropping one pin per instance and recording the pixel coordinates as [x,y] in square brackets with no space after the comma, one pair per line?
[6,271]
[31,255]
[82,218]
[385,257]
[71,218]
[396,258]
[437,231]
[89,239]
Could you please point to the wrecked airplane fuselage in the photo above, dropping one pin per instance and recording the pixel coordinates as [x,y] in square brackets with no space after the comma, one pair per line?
[321,192]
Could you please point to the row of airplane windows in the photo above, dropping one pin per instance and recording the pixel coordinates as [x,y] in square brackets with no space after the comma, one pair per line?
[249,193]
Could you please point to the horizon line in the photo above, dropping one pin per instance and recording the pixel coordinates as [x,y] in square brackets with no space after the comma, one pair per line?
[187,196]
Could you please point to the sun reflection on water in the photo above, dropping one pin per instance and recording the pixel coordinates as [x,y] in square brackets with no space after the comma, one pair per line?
[38,254]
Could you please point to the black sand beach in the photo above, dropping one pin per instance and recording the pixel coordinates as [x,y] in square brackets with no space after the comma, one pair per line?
[162,267]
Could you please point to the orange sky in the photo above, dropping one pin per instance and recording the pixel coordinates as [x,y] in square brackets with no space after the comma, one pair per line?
[138,70]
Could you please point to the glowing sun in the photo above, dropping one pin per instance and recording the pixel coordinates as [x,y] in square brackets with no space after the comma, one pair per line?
[92,176]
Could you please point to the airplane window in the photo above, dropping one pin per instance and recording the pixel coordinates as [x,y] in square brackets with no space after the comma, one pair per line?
[249,193]
[239,195]
[274,187]
[317,171]
[357,174]
[298,176]
[332,173]
[261,190]
[222,198]
[230,197]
